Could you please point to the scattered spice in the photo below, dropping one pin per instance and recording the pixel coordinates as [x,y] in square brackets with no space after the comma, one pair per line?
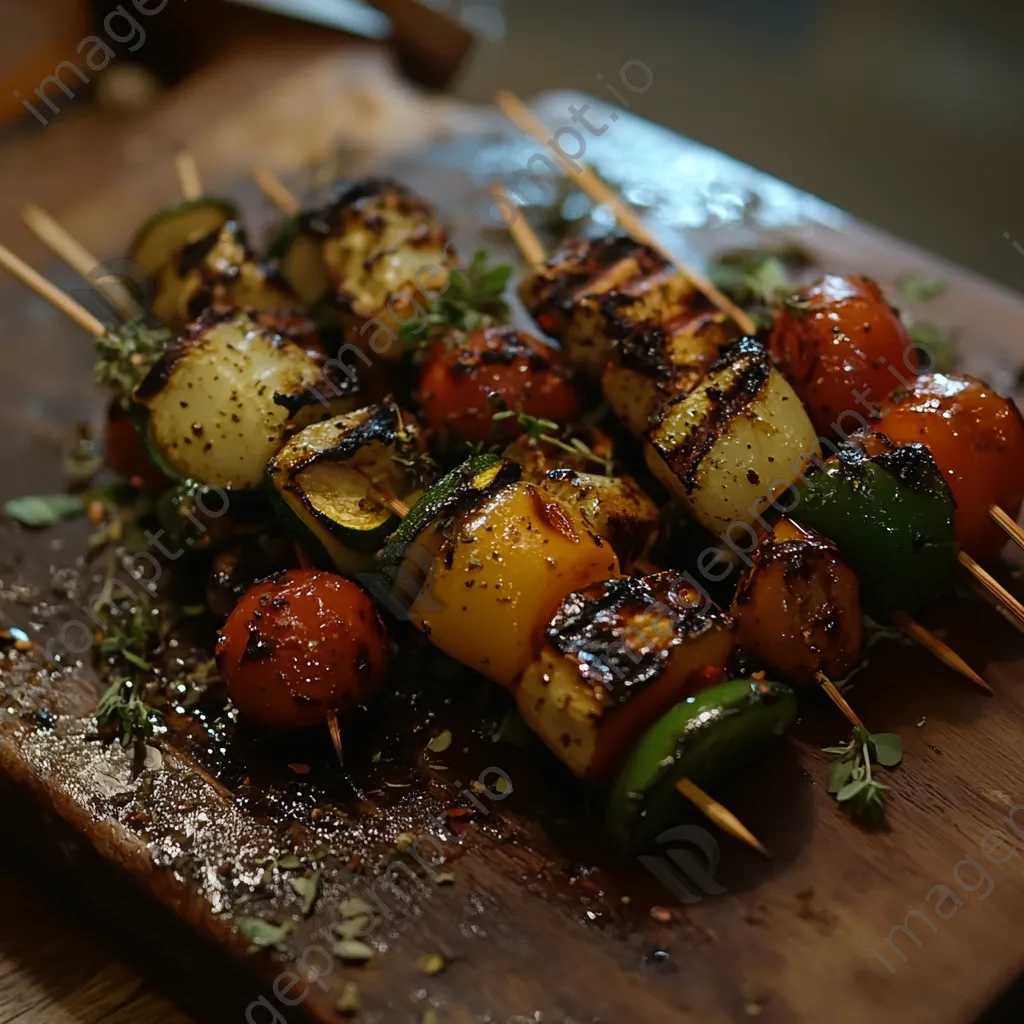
[431,963]
[348,1001]
[352,951]
[264,934]
[441,742]
[308,888]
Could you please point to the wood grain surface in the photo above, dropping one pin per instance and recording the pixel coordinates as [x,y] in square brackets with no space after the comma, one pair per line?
[535,926]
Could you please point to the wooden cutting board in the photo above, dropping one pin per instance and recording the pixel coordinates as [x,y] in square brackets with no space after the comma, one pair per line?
[537,923]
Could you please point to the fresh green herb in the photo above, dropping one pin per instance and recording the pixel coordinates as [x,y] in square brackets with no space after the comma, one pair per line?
[264,934]
[850,778]
[915,288]
[431,963]
[441,742]
[348,1002]
[135,660]
[541,430]
[752,278]
[122,704]
[125,355]
[420,466]
[129,622]
[940,345]
[474,299]
[289,862]
[307,887]
[38,511]
[352,950]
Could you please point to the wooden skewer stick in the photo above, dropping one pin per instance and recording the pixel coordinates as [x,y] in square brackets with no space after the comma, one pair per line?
[66,246]
[1012,607]
[720,815]
[930,642]
[187,169]
[64,303]
[519,228]
[275,190]
[839,700]
[335,730]
[533,252]
[517,113]
[1008,523]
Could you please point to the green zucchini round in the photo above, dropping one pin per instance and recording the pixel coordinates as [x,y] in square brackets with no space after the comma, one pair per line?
[325,484]
[175,226]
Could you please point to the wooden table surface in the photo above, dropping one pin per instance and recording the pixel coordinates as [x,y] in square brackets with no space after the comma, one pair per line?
[53,969]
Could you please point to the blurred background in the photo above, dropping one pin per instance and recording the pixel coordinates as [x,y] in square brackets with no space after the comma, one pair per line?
[904,112]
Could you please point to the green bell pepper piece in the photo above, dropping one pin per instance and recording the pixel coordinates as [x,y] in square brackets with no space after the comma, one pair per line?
[701,739]
[891,516]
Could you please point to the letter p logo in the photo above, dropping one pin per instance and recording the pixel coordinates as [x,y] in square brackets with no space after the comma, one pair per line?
[686,875]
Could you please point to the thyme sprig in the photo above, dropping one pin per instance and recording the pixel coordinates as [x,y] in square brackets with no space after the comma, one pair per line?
[473,299]
[126,354]
[850,779]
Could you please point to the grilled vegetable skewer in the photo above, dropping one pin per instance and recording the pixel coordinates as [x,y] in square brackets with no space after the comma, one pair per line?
[514,110]
[580,315]
[482,563]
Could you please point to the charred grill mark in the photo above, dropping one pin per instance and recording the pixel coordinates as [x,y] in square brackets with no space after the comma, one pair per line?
[581,267]
[621,632]
[725,404]
[504,345]
[258,647]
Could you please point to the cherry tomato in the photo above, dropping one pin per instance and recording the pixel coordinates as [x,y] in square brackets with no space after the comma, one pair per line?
[301,645]
[837,340]
[977,439]
[528,375]
[125,452]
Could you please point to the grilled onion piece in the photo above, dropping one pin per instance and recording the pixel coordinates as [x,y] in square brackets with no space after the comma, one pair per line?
[736,442]
[218,269]
[798,610]
[616,657]
[493,560]
[226,395]
[654,362]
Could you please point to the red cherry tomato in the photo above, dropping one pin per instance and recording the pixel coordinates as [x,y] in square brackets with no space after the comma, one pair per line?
[977,439]
[125,452]
[528,375]
[299,646]
[838,340]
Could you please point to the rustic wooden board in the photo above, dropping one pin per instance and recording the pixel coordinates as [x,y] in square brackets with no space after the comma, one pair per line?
[534,925]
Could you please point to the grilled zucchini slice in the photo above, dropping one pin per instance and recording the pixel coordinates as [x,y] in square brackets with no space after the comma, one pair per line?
[176,226]
[616,657]
[326,484]
[736,442]
[298,250]
[222,399]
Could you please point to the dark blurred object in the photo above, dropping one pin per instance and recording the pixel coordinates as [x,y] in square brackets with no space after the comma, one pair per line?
[37,35]
[429,45]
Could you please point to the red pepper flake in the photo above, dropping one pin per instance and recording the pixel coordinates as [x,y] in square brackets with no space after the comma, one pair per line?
[459,812]
[300,769]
